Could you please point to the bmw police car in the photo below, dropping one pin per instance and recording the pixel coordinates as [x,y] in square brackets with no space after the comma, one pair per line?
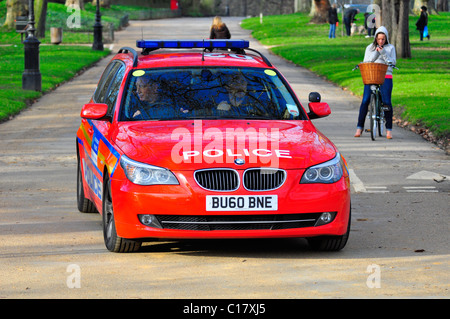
[206,139]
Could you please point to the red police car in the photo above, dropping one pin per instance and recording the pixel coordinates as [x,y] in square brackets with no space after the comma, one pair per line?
[206,139]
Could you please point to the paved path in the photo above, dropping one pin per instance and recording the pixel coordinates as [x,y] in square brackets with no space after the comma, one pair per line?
[400,210]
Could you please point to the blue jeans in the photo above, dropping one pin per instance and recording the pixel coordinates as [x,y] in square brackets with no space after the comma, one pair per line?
[332,33]
[386,93]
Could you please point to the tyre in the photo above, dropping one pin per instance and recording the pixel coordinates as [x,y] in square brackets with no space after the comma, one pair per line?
[113,242]
[381,124]
[84,204]
[373,117]
[330,243]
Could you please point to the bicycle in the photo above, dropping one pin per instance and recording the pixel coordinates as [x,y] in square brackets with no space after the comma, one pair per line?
[373,74]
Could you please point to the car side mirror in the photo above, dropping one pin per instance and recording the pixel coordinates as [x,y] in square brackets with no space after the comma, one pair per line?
[318,110]
[94,111]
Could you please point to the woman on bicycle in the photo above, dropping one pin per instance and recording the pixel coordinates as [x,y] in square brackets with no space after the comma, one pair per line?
[380,51]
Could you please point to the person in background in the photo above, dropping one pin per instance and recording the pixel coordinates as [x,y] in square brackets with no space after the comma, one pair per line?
[219,30]
[380,51]
[369,25]
[349,18]
[422,23]
[332,20]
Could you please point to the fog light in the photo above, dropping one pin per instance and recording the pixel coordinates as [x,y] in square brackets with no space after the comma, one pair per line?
[149,220]
[325,218]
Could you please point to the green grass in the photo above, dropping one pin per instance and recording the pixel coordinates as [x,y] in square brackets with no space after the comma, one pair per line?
[421,85]
[58,16]
[58,63]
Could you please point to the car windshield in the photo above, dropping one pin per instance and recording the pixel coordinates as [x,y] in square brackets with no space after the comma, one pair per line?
[208,93]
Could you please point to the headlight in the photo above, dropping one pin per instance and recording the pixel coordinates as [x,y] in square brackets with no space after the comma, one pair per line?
[144,174]
[328,172]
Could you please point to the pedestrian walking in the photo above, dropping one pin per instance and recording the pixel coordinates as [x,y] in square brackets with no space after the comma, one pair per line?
[422,23]
[333,20]
[369,25]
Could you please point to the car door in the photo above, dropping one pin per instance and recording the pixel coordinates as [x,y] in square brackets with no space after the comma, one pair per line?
[104,150]
[94,141]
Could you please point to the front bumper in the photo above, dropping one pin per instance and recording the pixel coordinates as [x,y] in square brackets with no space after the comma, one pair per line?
[181,210]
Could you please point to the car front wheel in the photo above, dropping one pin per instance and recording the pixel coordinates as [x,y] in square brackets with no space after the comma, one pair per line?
[113,242]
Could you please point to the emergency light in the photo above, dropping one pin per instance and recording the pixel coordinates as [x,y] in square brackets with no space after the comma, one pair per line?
[190,44]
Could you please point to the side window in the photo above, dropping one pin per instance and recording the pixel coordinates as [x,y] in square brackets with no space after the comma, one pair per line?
[111,95]
[107,77]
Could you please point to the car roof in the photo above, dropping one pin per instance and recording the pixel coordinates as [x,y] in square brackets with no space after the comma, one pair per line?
[197,53]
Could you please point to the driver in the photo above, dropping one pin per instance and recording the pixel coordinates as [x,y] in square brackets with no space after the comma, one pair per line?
[151,104]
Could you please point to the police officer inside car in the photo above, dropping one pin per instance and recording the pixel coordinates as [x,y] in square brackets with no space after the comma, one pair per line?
[151,105]
[237,101]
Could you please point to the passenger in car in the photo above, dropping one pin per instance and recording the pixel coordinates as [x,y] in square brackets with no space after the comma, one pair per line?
[237,101]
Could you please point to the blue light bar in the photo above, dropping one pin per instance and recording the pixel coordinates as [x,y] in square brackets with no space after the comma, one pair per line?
[190,44]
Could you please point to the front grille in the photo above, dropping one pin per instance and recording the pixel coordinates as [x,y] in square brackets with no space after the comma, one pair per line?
[217,179]
[254,179]
[263,179]
[238,222]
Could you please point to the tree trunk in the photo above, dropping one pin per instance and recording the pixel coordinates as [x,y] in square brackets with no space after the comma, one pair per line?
[40,13]
[395,18]
[302,5]
[395,9]
[402,45]
[427,3]
[386,16]
[442,5]
[75,3]
[15,8]
[319,10]
[103,3]
[341,4]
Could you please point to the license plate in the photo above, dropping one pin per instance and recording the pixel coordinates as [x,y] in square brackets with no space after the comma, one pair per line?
[242,202]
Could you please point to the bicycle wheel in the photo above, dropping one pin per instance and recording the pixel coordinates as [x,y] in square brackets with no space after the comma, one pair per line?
[381,118]
[381,123]
[373,116]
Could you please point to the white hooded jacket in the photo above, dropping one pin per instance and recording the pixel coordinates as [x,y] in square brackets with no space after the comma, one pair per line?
[387,55]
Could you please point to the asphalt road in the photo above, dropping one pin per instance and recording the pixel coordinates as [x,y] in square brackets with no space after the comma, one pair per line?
[398,246]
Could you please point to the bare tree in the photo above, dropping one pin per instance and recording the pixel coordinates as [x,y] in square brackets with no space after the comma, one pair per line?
[319,11]
[395,19]
[75,3]
[15,8]
[402,44]
[302,5]
[40,13]
[103,3]
[442,5]
[427,3]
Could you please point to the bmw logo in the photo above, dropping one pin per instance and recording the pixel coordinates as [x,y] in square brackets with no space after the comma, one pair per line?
[239,161]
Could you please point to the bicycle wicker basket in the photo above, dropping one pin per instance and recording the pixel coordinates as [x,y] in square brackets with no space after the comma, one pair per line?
[373,73]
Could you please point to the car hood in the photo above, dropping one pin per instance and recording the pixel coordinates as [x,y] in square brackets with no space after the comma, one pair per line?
[191,145]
